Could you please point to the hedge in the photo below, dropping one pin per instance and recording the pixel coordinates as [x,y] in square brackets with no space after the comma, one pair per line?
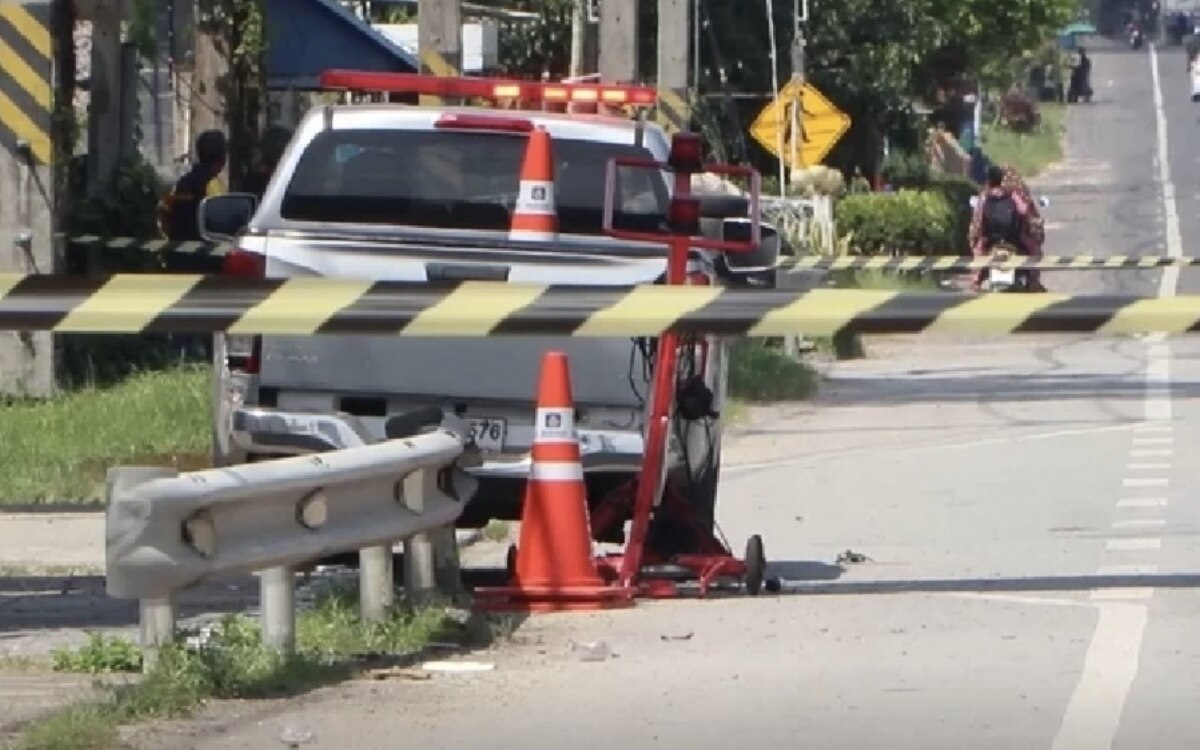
[933,221]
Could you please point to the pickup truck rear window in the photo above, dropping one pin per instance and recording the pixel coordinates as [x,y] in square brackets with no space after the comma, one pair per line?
[459,180]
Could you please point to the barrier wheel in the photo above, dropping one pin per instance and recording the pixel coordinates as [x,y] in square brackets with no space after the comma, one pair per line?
[756,565]
[510,561]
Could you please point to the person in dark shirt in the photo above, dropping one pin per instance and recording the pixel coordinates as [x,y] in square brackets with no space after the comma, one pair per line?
[178,211]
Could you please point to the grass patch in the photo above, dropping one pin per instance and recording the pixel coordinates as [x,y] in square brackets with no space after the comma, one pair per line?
[232,662]
[1028,153]
[59,449]
[496,530]
[761,372]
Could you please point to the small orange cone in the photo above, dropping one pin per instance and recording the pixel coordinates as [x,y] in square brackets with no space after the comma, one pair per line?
[535,216]
[554,568]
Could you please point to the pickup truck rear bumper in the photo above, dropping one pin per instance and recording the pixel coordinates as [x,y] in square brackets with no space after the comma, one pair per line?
[257,429]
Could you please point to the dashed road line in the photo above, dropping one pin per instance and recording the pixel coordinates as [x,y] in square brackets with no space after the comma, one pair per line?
[1145,481]
[1138,523]
[1142,502]
[1134,544]
[1148,467]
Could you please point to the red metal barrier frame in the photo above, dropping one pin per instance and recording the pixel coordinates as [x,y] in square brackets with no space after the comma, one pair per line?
[684,178]
[716,560]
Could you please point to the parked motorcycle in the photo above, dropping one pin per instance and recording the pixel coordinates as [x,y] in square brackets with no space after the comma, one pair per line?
[1007,279]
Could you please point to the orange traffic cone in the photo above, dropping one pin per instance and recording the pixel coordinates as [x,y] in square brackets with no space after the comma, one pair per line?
[535,216]
[554,567]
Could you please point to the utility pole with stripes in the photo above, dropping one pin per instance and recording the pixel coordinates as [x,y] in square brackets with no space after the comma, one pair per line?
[439,40]
[674,32]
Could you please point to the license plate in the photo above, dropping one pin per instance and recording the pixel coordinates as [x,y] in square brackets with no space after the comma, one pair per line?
[489,434]
[998,276]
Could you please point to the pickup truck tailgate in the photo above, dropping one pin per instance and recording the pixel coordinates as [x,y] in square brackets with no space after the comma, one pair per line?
[503,368]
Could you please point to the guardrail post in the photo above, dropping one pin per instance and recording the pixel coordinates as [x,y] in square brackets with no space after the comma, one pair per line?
[277,600]
[447,568]
[156,628]
[420,576]
[376,584]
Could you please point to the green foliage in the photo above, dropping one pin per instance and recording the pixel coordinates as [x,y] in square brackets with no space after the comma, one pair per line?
[100,654]
[760,371]
[142,29]
[122,208]
[906,169]
[239,34]
[907,221]
[957,192]
[531,49]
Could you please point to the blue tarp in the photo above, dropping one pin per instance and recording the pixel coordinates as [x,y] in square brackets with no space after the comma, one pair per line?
[308,37]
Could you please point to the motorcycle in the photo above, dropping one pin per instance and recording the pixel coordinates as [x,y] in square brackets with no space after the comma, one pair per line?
[1135,38]
[1007,279]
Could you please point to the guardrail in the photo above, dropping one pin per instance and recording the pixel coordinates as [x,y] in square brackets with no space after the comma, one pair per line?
[167,531]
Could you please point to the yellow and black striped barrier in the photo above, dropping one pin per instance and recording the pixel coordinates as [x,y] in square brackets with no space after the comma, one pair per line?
[136,303]
[150,246]
[26,66]
[798,263]
[970,263]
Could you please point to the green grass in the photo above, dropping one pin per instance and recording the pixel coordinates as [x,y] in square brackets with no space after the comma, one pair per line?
[332,645]
[59,449]
[760,373]
[1028,153]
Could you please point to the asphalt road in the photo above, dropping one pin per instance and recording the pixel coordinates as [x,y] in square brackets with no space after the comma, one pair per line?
[1030,540]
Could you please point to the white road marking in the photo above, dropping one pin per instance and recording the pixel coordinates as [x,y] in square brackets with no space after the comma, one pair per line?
[1150,453]
[1142,502]
[1138,593]
[1017,599]
[1110,666]
[1153,427]
[1133,545]
[1148,467]
[1153,440]
[1125,571]
[1146,481]
[1138,523]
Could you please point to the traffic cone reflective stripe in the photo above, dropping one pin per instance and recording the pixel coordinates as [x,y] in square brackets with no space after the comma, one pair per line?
[535,216]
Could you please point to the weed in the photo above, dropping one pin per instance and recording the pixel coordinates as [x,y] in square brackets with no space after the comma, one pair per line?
[59,449]
[1028,153]
[100,654]
[232,662]
[758,372]
[496,530]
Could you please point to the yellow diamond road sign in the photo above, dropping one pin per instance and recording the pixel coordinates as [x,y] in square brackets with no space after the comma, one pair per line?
[821,125]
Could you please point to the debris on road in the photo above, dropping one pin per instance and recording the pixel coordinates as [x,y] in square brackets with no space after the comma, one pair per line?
[852,557]
[458,666]
[591,651]
[394,672]
[685,637]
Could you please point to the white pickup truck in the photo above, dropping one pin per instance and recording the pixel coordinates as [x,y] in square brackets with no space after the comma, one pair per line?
[399,192]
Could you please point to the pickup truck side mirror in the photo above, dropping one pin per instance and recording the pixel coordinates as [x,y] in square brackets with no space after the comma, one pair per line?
[749,267]
[223,217]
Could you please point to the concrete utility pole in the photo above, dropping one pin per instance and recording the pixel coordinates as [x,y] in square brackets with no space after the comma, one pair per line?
[105,97]
[619,41]
[674,27]
[439,39]
[27,182]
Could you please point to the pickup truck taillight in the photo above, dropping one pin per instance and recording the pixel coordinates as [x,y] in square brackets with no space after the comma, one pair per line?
[243,353]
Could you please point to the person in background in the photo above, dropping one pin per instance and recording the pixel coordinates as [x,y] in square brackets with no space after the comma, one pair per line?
[178,218]
[1006,212]
[274,143]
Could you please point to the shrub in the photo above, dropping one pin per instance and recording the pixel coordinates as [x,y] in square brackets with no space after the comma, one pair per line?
[906,169]
[904,222]
[958,192]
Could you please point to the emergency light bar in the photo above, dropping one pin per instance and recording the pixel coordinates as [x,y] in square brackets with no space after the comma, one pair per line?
[465,87]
